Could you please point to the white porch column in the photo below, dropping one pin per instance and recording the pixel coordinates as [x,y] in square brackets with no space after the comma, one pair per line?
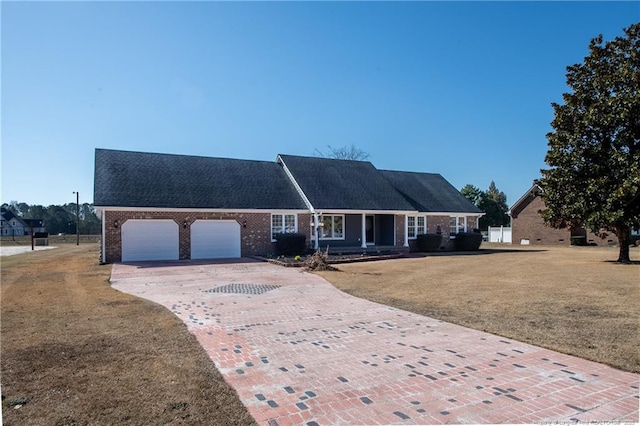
[406,230]
[364,231]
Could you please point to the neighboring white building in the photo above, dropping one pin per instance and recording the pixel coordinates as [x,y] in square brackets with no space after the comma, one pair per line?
[12,225]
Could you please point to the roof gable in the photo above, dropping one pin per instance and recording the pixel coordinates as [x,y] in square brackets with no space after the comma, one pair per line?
[135,179]
[525,200]
[331,184]
[430,192]
[7,214]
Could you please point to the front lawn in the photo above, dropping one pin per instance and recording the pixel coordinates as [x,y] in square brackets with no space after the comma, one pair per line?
[75,351]
[570,299]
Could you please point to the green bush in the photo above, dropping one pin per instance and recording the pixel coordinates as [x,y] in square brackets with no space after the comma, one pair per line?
[467,241]
[428,242]
[290,244]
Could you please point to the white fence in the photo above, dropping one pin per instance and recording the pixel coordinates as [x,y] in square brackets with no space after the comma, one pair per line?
[500,235]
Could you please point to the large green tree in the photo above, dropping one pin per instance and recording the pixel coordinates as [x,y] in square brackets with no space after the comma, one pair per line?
[492,202]
[593,179]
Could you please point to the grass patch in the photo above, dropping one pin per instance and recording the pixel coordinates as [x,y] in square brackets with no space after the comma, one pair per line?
[569,299]
[76,351]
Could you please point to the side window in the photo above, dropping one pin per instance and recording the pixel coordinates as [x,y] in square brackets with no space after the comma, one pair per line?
[411,226]
[332,227]
[283,223]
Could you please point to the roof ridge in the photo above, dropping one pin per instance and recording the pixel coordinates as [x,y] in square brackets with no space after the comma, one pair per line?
[312,157]
[124,151]
[411,172]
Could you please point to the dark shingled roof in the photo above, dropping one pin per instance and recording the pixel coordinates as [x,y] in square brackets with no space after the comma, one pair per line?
[7,214]
[430,192]
[135,179]
[344,184]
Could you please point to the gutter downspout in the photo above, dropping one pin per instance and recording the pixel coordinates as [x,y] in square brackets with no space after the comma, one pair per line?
[103,255]
[306,201]
[316,243]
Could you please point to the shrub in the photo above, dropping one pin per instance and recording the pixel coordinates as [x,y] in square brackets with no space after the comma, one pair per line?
[428,242]
[468,241]
[290,244]
[578,241]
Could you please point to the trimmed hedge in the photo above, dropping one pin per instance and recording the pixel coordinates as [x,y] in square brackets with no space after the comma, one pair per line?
[428,242]
[290,244]
[467,241]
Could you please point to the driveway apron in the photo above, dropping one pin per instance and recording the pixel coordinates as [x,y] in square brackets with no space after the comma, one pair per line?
[298,351]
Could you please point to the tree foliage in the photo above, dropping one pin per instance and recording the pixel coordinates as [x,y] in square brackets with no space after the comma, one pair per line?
[59,219]
[492,202]
[593,179]
[472,193]
[350,152]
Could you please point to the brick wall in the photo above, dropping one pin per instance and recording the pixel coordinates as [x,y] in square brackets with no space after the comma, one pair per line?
[304,228]
[400,230]
[255,230]
[529,225]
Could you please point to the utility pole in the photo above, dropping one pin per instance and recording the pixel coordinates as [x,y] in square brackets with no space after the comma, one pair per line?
[77,217]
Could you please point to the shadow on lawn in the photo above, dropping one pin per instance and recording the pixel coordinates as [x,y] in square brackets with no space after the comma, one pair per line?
[633,262]
[474,253]
[166,263]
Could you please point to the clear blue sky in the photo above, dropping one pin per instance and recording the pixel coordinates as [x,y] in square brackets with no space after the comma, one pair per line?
[457,88]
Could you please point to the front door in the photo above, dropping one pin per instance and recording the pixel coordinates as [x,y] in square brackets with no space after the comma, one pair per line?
[370,227]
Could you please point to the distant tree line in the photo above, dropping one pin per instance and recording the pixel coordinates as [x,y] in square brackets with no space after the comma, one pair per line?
[492,202]
[59,219]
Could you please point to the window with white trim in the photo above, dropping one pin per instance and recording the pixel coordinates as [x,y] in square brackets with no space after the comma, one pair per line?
[283,224]
[416,225]
[457,224]
[332,227]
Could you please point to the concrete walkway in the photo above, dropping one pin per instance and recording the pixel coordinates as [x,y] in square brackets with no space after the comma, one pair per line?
[300,352]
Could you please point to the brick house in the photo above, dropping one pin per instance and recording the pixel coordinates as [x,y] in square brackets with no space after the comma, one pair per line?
[169,207]
[528,227]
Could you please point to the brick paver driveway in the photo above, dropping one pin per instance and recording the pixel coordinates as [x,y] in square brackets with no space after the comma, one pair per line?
[298,351]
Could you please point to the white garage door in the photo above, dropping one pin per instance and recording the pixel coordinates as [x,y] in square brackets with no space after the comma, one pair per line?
[149,239]
[215,239]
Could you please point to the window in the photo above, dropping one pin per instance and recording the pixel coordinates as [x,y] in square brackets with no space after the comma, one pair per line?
[416,225]
[332,227]
[457,224]
[283,224]
[411,224]
[422,225]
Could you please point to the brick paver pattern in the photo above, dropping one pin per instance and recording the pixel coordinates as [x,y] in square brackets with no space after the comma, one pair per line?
[300,352]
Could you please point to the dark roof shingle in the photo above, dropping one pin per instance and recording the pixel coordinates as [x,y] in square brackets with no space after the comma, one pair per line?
[430,192]
[344,184]
[136,179]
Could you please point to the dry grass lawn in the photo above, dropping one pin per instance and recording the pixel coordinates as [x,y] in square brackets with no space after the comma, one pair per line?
[570,299]
[77,352]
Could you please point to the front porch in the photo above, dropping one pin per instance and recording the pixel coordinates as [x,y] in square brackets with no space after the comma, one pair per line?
[358,233]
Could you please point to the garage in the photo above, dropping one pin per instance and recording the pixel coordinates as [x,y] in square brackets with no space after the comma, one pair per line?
[215,239]
[149,239]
